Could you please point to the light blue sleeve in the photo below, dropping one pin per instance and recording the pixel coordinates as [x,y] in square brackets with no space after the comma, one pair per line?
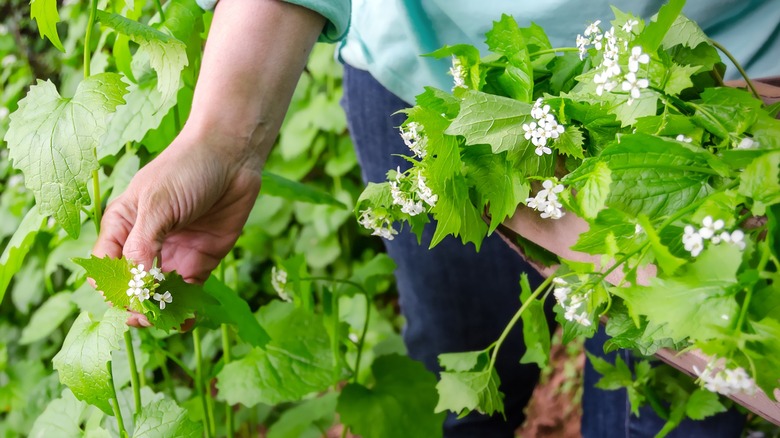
[337,12]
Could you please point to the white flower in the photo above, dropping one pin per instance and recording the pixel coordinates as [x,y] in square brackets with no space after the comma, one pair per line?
[593,28]
[142,294]
[424,192]
[156,273]
[538,111]
[279,282]
[164,299]
[633,86]
[692,241]
[542,150]
[458,73]
[381,225]
[737,238]
[747,143]
[636,58]
[603,83]
[629,25]
[683,138]
[709,227]
[717,378]
[413,139]
[546,200]
[138,271]
[582,45]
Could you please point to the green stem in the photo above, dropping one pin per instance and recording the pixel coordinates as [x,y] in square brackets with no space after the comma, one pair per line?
[199,383]
[115,403]
[134,380]
[226,359]
[98,206]
[334,348]
[168,381]
[159,7]
[362,340]
[554,50]
[497,345]
[178,362]
[739,68]
[88,37]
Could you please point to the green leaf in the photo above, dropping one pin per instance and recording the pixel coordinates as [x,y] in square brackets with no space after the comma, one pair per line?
[296,362]
[381,267]
[61,418]
[81,362]
[570,142]
[536,333]
[506,39]
[655,31]
[698,303]
[165,418]
[52,141]
[679,78]
[496,182]
[494,120]
[144,111]
[624,333]
[275,185]
[307,419]
[595,191]
[456,215]
[761,181]
[650,175]
[232,309]
[463,392]
[766,355]
[702,404]
[167,55]
[609,222]
[47,318]
[684,32]
[45,14]
[17,248]
[400,403]
[663,257]
[111,277]
[438,101]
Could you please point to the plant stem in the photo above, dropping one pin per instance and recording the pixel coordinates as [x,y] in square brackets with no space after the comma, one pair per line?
[362,340]
[739,68]
[115,403]
[497,345]
[159,7]
[88,37]
[335,342]
[98,206]
[554,50]
[199,383]
[226,358]
[168,381]
[133,371]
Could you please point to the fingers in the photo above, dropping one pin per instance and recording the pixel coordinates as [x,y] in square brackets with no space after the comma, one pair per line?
[114,229]
[138,320]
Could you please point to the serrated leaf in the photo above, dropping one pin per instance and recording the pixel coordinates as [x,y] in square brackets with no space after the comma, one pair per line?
[296,362]
[111,277]
[494,120]
[536,332]
[496,182]
[693,303]
[400,403]
[570,142]
[702,404]
[438,101]
[668,262]
[761,181]
[679,78]
[144,111]
[45,14]
[379,268]
[52,140]
[655,31]
[766,355]
[167,55]
[165,418]
[232,309]
[595,191]
[463,392]
[684,32]
[457,216]
[83,359]
[651,175]
[507,39]
[608,222]
[17,248]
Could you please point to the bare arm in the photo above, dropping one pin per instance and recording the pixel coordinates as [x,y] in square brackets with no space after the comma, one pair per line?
[187,207]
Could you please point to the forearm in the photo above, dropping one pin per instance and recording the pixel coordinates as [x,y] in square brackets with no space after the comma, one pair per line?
[254,56]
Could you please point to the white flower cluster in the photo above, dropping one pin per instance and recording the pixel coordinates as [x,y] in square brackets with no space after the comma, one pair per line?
[545,128]
[693,239]
[572,304]
[380,223]
[612,47]
[279,282]
[144,284]
[413,200]
[458,73]
[546,201]
[726,381]
[747,143]
[413,139]
[683,138]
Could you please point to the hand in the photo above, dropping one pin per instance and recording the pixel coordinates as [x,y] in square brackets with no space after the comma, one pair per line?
[186,208]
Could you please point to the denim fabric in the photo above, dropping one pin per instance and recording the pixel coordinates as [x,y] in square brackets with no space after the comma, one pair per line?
[455,299]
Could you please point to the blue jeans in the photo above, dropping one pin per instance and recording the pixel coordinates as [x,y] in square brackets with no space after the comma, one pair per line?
[455,299]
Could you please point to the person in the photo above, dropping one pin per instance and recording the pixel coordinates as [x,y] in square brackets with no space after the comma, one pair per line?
[188,205]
